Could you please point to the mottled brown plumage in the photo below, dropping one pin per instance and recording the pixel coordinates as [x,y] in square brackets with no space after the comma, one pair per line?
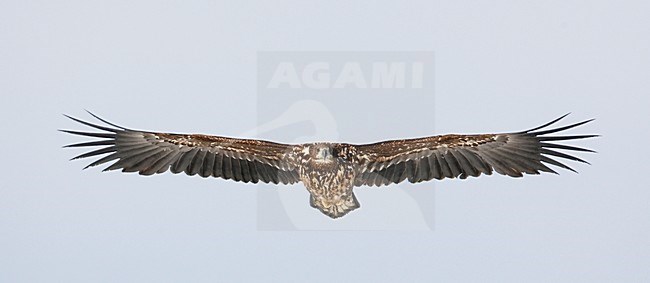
[330,171]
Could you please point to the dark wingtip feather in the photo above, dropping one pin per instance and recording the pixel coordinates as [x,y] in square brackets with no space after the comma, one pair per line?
[566,147]
[107,122]
[547,124]
[100,151]
[550,131]
[562,138]
[88,134]
[93,143]
[562,155]
[91,124]
[556,163]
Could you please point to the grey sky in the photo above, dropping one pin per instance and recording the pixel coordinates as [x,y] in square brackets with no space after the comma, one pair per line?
[191,67]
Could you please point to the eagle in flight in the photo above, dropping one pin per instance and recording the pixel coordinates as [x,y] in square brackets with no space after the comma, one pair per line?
[330,171]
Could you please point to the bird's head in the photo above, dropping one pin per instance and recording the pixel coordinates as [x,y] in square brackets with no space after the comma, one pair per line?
[323,152]
[328,152]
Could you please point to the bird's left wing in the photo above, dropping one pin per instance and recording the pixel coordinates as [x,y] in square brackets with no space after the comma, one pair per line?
[451,156]
[150,153]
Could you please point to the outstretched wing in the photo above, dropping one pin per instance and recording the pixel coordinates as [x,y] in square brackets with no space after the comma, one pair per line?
[151,153]
[451,156]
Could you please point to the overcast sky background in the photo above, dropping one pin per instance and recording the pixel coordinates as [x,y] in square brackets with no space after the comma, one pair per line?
[190,66]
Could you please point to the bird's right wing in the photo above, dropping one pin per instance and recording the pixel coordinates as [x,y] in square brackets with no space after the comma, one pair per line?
[150,153]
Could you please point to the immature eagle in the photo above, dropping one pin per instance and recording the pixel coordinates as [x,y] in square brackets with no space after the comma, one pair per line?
[330,171]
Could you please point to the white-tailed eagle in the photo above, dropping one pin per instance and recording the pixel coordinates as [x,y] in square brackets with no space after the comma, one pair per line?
[330,171]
